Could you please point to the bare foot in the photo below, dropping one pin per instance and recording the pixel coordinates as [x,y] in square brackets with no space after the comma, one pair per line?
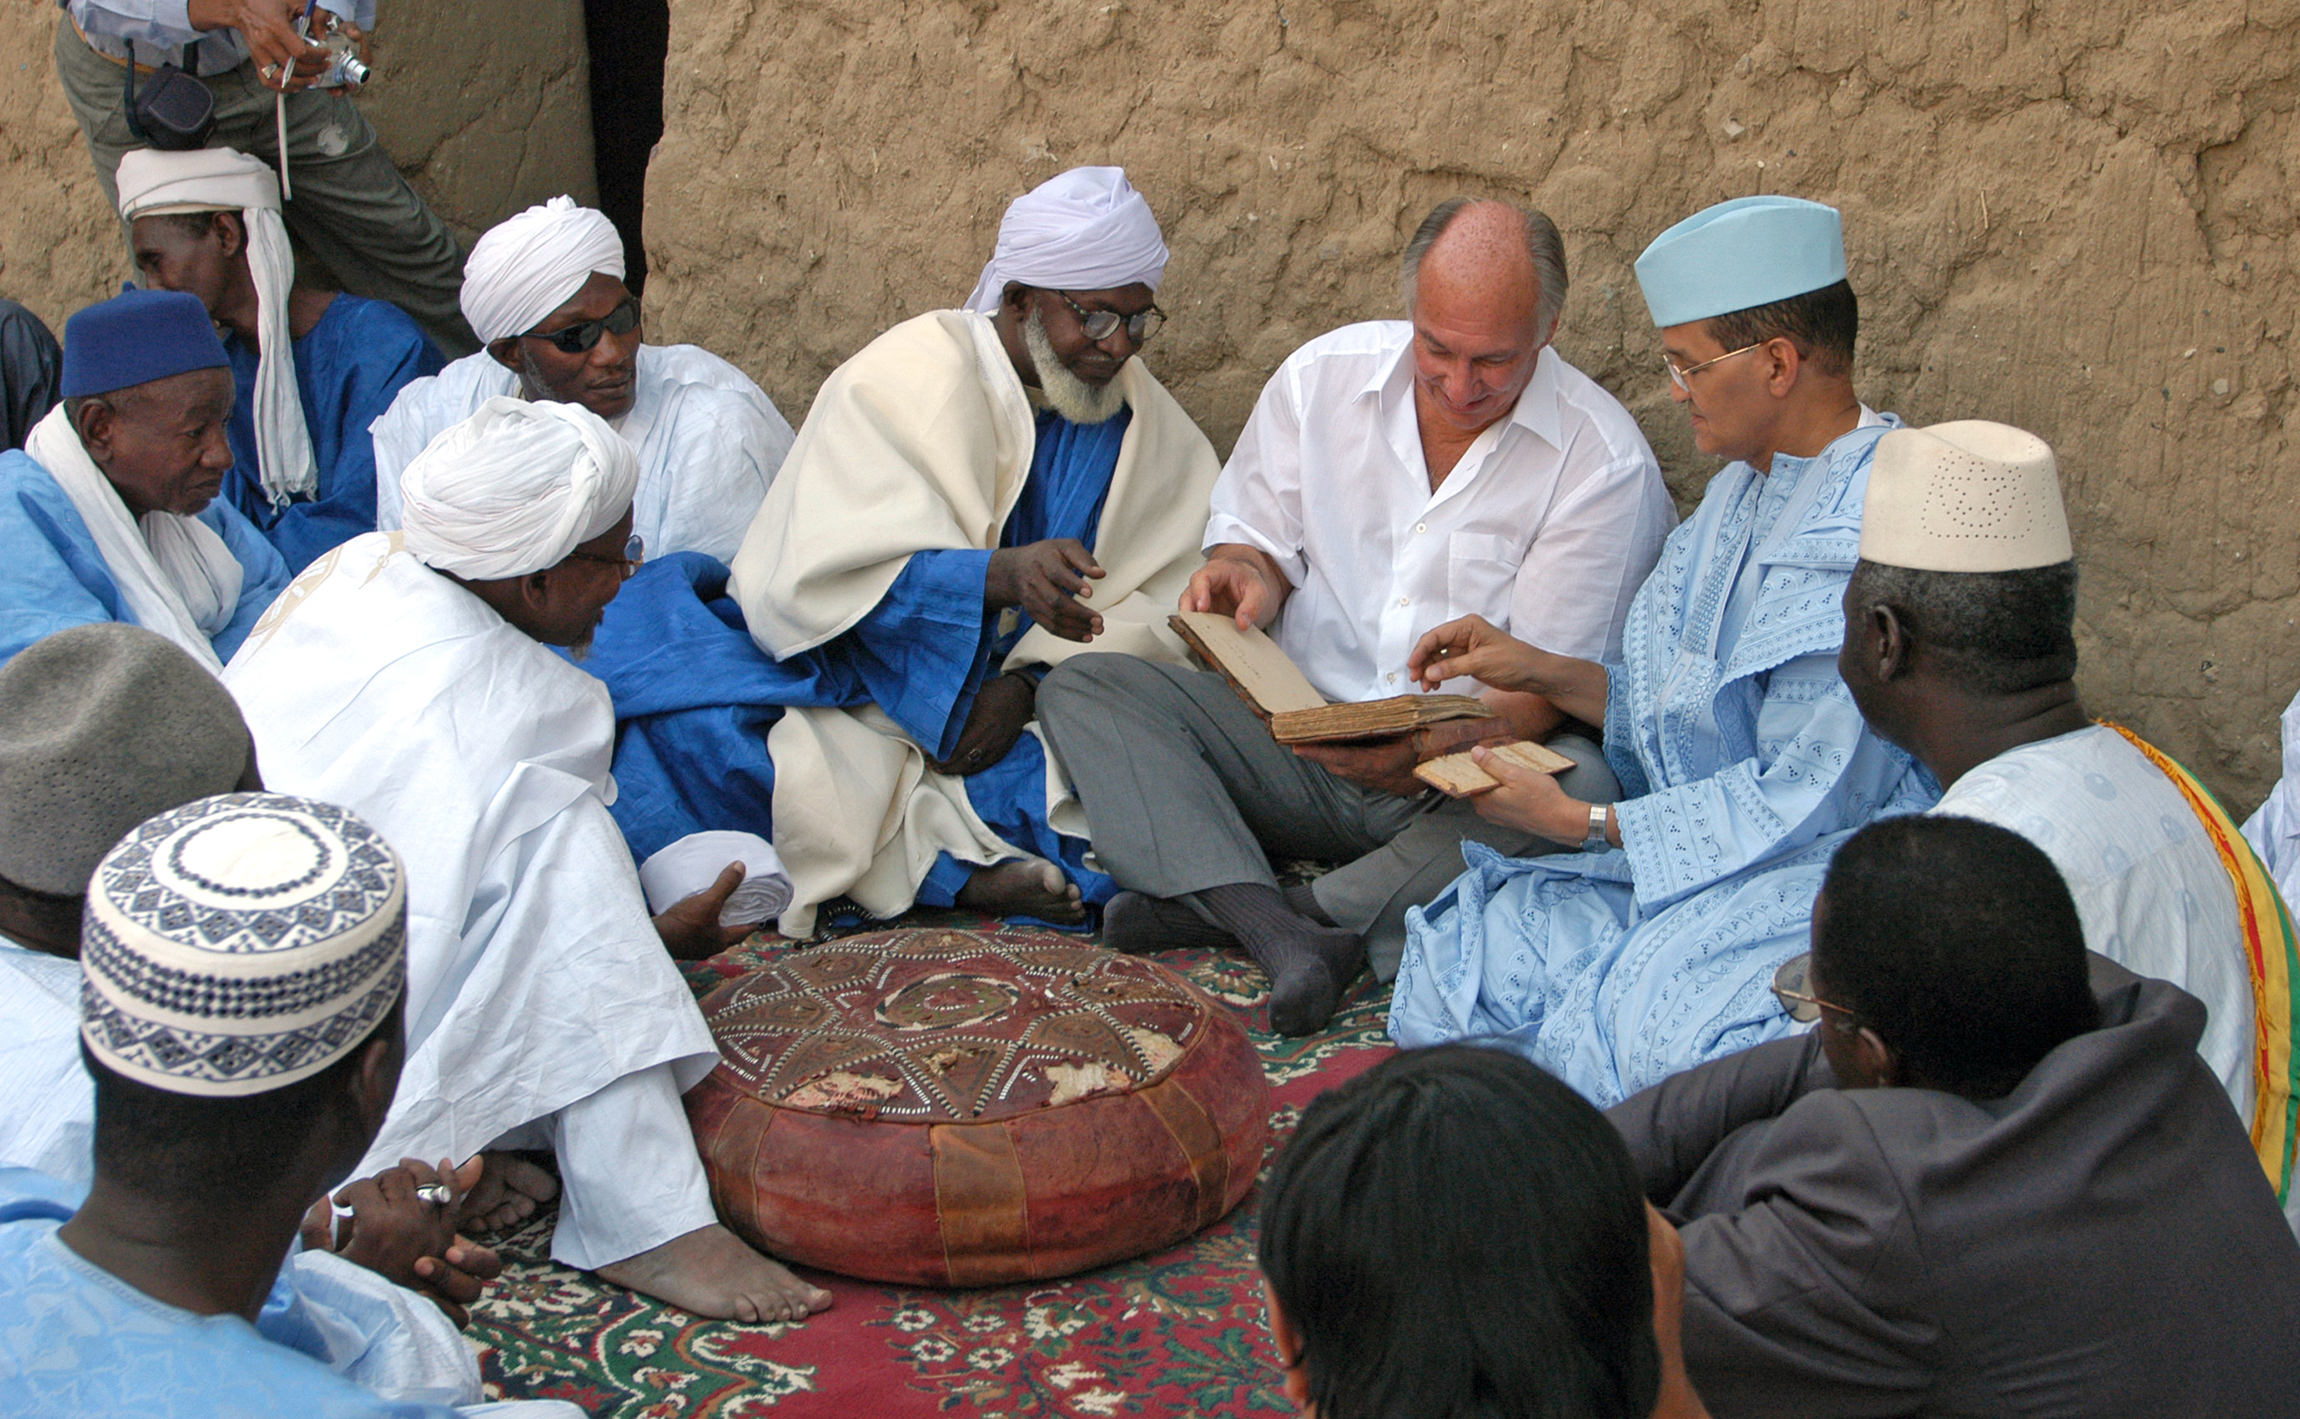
[510,1189]
[709,1272]
[1025,886]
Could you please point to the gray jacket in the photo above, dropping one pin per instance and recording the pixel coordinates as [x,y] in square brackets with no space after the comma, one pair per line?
[2101,1241]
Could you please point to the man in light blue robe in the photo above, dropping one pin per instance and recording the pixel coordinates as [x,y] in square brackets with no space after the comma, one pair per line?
[110,513]
[170,1285]
[1742,758]
[207,222]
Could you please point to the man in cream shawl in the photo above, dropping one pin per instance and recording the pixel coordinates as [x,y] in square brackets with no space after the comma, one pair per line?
[410,677]
[109,513]
[976,495]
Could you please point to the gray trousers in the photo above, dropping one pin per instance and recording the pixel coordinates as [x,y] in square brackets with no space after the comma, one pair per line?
[352,211]
[1185,789]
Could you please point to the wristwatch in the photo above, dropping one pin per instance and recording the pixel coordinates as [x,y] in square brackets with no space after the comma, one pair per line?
[1596,841]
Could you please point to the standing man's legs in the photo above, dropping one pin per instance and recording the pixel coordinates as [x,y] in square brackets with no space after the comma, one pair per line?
[351,209]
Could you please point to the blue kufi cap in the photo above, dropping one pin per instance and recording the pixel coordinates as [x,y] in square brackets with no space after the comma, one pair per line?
[1751,251]
[135,338]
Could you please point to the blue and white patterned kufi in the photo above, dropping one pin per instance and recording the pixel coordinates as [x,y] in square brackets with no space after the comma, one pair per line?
[238,944]
[1748,252]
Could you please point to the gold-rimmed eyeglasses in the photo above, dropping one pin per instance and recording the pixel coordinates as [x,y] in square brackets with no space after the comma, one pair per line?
[1683,378]
[1789,987]
[634,554]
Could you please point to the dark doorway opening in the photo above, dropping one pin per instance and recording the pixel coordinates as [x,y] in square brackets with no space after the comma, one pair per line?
[628,40]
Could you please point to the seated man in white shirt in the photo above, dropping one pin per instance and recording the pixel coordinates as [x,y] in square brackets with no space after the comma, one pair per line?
[545,292]
[1395,474]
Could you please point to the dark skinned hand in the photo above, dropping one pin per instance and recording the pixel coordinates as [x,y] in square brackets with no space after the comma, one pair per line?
[1386,765]
[1000,711]
[690,926]
[1046,579]
[397,1235]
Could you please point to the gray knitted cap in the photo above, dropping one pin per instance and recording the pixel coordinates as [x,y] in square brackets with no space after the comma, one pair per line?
[101,727]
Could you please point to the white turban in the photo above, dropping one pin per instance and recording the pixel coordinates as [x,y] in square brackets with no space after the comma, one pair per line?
[527,267]
[514,488]
[154,184]
[1084,230]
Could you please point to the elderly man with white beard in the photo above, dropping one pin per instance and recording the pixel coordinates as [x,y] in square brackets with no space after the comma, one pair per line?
[410,677]
[976,495]
[544,290]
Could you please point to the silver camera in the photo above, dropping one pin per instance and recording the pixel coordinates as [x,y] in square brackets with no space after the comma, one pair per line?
[345,70]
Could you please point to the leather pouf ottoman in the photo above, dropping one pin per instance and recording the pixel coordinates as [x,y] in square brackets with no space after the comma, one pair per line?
[940,1107]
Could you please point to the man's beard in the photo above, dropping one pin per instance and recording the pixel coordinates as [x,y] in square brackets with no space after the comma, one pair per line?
[1071,397]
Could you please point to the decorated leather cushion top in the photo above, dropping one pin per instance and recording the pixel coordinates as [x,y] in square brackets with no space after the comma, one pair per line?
[952,1026]
[968,1107]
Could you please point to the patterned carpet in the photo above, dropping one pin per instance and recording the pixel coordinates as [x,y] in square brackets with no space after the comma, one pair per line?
[1176,1333]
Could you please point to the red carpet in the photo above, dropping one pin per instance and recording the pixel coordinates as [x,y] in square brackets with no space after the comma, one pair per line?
[1177,1333]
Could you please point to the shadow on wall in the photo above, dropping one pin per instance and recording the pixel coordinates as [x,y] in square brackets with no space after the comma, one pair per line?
[2069,215]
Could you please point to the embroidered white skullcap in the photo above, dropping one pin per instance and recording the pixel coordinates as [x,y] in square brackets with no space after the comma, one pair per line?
[694,863]
[527,267]
[514,488]
[1751,251]
[153,184]
[1083,230]
[238,944]
[1967,496]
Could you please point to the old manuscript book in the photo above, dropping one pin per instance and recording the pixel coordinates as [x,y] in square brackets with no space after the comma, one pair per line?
[1269,681]
[1459,775]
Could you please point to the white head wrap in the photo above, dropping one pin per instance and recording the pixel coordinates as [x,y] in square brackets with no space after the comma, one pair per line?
[514,488]
[154,184]
[1084,230]
[236,945]
[525,268]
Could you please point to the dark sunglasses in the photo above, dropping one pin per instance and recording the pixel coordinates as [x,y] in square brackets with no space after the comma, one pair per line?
[575,339]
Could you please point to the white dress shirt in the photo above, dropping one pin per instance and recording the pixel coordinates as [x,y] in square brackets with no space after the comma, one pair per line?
[1546,527]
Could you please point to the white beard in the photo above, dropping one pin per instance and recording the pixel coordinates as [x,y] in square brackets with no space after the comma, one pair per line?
[1071,397]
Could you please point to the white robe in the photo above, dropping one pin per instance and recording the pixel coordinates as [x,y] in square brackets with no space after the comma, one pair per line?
[2148,884]
[709,442]
[929,428]
[535,977]
[47,1105]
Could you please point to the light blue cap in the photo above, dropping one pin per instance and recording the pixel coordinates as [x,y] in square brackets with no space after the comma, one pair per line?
[1750,251]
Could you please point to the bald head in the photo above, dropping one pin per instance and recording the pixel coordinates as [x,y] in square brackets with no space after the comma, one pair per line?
[1500,258]
[1484,281]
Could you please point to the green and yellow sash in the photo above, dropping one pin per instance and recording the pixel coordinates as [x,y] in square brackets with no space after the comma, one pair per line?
[2272,953]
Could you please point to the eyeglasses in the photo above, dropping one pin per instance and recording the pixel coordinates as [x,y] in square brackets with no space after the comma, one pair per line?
[575,339]
[1789,984]
[1102,324]
[634,553]
[1683,379]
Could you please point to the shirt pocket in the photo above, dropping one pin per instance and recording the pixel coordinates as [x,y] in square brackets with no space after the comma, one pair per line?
[1481,572]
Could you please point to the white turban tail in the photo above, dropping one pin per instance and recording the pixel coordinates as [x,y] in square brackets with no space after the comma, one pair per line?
[1084,230]
[525,268]
[153,184]
[514,488]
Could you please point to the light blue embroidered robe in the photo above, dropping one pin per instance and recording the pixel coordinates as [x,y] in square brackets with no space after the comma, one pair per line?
[51,576]
[1743,763]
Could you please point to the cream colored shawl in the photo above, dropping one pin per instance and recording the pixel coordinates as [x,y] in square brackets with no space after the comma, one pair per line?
[922,441]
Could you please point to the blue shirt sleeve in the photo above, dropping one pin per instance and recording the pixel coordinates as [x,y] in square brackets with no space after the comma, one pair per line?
[923,650]
[50,576]
[346,384]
